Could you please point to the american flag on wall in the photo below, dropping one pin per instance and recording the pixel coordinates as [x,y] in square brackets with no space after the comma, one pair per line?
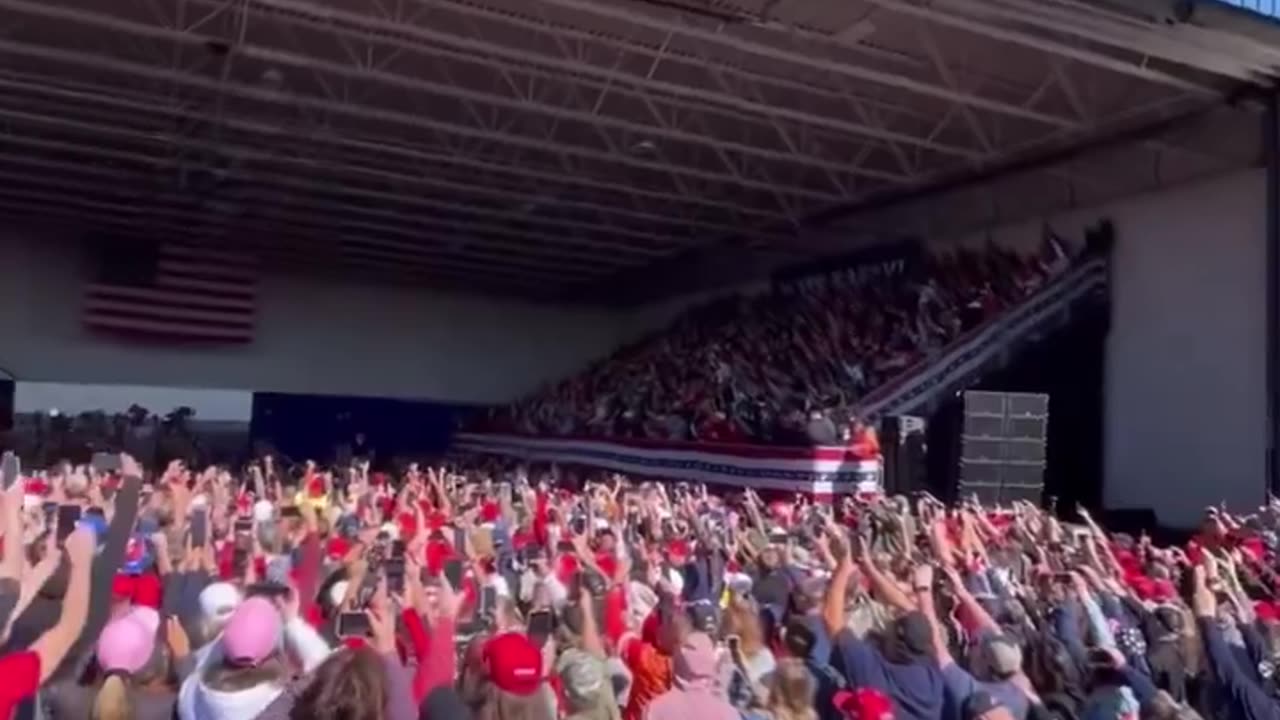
[172,292]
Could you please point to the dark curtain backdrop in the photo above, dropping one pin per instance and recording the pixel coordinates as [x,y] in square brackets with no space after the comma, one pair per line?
[1068,365]
[311,426]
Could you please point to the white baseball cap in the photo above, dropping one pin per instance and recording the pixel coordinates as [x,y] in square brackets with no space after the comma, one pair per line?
[338,592]
[264,511]
[219,600]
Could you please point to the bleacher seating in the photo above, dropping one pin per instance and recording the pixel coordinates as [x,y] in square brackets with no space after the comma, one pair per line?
[785,368]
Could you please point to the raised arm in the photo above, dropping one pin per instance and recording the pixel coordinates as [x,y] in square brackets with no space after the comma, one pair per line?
[58,642]
[974,611]
[833,605]
[1254,701]
[111,555]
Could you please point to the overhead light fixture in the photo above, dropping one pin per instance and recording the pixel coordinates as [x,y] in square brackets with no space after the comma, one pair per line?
[272,79]
[644,147]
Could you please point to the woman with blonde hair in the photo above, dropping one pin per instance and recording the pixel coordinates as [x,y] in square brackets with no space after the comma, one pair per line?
[744,633]
[134,669]
[791,692]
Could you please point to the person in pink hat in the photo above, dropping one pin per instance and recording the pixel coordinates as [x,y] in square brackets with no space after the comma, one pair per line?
[694,694]
[248,668]
[134,660]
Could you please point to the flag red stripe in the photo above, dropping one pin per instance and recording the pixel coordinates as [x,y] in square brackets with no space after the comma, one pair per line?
[213,257]
[168,329]
[205,288]
[203,270]
[170,297]
[169,312]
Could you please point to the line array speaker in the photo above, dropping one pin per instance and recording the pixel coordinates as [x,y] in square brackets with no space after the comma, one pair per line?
[1002,446]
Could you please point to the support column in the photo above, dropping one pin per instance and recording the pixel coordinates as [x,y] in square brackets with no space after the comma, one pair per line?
[1271,158]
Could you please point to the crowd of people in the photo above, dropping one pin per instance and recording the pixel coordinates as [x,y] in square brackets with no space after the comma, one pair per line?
[53,435]
[785,367]
[537,594]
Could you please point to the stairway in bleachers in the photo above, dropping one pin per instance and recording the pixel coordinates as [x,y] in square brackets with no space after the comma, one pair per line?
[966,359]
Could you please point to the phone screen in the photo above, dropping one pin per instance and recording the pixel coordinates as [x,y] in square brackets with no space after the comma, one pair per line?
[453,573]
[244,526]
[353,624]
[68,516]
[239,561]
[199,527]
[488,600]
[105,462]
[541,623]
[267,590]
[393,568]
[10,469]
[290,511]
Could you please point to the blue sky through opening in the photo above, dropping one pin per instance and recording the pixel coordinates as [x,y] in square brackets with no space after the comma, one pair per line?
[1270,8]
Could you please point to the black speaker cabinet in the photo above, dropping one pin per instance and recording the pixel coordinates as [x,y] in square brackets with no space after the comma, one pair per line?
[1002,446]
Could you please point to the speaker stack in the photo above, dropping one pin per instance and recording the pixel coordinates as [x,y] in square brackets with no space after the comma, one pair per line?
[1002,446]
[6,404]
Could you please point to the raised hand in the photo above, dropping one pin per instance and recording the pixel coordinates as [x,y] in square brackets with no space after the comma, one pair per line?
[382,627]
[80,546]
[449,603]
[289,604]
[922,577]
[1203,603]
[129,466]
[1084,514]
[838,541]
[176,638]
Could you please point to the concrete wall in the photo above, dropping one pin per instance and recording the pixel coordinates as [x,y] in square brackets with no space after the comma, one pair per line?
[313,336]
[1185,396]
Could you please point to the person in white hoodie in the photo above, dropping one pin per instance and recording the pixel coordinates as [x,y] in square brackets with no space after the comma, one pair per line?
[248,667]
[217,603]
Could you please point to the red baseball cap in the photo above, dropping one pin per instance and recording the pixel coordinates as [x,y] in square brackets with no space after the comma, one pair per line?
[337,548]
[1267,612]
[863,704]
[514,664]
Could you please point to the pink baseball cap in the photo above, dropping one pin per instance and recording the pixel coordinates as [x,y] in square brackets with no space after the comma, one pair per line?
[127,642]
[252,633]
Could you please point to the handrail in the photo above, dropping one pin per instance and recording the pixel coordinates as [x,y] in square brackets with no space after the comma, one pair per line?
[991,334]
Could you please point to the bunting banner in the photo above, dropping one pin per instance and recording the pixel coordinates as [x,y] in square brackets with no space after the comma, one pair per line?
[821,470]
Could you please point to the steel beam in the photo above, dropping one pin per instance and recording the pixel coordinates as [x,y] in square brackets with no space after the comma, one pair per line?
[413,156]
[388,116]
